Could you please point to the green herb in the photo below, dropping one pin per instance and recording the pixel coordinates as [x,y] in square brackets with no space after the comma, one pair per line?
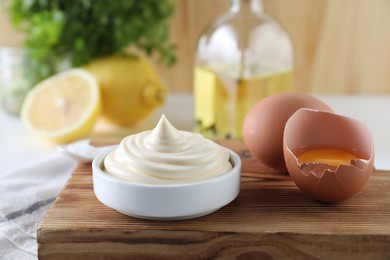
[81,30]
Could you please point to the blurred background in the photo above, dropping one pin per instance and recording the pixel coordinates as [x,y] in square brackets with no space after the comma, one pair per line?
[340,46]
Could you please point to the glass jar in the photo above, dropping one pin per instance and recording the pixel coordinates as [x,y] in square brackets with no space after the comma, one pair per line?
[19,73]
[241,57]
[14,85]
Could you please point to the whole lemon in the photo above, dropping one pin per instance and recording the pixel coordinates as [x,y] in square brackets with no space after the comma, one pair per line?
[130,87]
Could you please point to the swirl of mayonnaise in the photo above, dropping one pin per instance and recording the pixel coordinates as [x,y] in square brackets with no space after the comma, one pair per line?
[166,155]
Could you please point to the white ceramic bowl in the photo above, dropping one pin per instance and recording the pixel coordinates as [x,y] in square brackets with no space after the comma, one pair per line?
[166,202]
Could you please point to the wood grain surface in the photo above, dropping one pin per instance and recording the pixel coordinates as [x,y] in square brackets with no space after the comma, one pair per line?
[270,219]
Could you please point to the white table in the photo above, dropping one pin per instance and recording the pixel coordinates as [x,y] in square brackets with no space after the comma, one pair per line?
[17,146]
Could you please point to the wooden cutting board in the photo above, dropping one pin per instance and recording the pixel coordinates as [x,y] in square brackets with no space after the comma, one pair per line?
[271,218]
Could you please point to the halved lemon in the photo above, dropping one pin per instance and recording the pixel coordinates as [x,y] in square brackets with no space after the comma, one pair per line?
[64,107]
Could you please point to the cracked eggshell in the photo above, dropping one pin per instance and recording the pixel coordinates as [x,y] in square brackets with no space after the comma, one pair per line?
[317,129]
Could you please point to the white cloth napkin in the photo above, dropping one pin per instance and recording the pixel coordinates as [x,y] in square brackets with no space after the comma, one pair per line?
[26,194]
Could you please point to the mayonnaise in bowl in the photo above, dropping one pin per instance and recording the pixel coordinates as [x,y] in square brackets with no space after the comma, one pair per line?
[166,174]
[166,155]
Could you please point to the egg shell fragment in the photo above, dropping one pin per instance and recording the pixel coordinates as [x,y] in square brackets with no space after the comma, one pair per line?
[318,129]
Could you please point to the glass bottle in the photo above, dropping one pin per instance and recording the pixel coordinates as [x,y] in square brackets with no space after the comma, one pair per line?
[241,57]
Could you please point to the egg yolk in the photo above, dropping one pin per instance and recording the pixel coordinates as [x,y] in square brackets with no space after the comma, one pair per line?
[328,156]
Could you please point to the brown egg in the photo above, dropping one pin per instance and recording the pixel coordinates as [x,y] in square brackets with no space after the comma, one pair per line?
[328,179]
[263,126]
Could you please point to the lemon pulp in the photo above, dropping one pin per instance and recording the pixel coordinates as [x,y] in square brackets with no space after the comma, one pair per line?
[64,107]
